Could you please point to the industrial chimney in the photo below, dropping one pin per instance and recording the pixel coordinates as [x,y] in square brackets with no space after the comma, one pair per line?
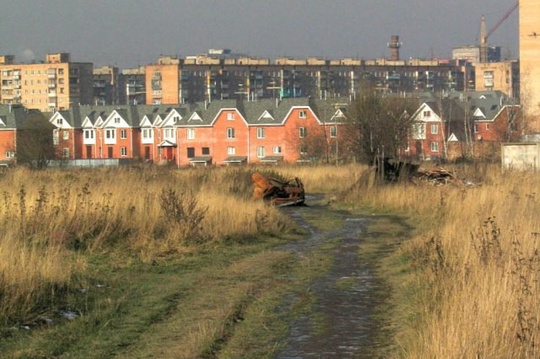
[394,46]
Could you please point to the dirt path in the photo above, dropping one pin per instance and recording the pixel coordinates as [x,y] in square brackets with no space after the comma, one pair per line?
[342,323]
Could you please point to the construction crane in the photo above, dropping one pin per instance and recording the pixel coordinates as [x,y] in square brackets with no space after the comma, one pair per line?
[485,34]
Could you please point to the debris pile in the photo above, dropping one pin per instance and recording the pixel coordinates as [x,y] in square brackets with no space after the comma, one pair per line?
[434,177]
[277,192]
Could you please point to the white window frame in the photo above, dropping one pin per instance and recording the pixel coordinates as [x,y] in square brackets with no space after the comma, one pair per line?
[169,134]
[110,136]
[56,137]
[434,146]
[10,154]
[190,133]
[230,116]
[302,114]
[123,151]
[231,133]
[434,128]
[231,150]
[260,132]
[123,133]
[333,131]
[302,132]
[276,150]
[419,131]
[147,135]
[261,152]
[65,135]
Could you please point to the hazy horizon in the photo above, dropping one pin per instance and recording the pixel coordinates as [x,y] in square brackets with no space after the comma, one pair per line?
[129,33]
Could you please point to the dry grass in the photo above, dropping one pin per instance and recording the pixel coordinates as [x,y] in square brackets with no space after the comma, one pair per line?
[476,252]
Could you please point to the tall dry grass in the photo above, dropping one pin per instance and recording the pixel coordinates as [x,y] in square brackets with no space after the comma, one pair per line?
[476,252]
[50,220]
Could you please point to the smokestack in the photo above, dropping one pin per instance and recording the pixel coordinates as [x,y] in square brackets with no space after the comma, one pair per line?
[394,46]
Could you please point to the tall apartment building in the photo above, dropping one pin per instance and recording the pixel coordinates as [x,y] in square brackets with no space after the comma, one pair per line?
[529,57]
[208,78]
[498,76]
[55,84]
[106,85]
[132,87]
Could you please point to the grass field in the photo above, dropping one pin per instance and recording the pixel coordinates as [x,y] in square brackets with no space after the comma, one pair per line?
[137,254]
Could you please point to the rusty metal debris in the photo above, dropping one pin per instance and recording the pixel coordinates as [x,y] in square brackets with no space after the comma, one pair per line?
[277,192]
[391,170]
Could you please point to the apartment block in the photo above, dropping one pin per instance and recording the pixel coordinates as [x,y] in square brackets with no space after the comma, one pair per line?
[498,76]
[106,85]
[55,84]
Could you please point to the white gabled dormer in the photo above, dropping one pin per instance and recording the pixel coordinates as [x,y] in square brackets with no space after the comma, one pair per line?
[147,131]
[266,116]
[89,133]
[338,116]
[115,120]
[158,121]
[173,118]
[99,122]
[2,123]
[195,117]
[478,113]
[59,121]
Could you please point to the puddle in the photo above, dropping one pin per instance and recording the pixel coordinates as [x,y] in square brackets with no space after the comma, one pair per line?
[346,296]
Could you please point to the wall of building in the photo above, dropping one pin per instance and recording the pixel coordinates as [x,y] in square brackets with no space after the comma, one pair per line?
[529,55]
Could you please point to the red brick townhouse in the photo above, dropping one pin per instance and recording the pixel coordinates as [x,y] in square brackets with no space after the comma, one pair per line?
[461,124]
[220,132]
[10,118]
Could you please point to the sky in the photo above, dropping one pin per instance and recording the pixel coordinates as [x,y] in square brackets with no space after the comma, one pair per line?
[131,33]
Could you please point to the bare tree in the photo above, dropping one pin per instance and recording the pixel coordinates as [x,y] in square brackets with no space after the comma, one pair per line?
[380,125]
[35,141]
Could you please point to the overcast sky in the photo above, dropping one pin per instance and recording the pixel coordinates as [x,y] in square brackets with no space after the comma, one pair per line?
[128,33]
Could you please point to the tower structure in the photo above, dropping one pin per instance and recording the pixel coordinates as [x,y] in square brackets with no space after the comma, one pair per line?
[394,46]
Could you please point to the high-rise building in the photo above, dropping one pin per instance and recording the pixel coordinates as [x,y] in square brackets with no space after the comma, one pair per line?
[529,57]
[55,84]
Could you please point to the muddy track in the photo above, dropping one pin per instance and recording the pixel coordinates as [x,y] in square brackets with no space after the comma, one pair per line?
[342,322]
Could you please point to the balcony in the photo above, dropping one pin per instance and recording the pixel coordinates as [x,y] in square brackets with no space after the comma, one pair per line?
[52,94]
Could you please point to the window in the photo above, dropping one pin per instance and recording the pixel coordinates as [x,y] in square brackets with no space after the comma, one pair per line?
[302,132]
[302,114]
[65,152]
[123,134]
[56,137]
[191,152]
[230,116]
[230,133]
[65,135]
[260,151]
[110,134]
[260,132]
[190,133]
[123,151]
[434,146]
[333,131]
[231,151]
[427,113]
[476,128]
[10,154]
[276,150]
[59,121]
[147,133]
[419,131]
[434,129]
[205,151]
[168,134]
[117,120]
[487,126]
[303,150]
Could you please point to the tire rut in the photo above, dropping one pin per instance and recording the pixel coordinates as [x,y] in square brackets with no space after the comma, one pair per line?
[347,295]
